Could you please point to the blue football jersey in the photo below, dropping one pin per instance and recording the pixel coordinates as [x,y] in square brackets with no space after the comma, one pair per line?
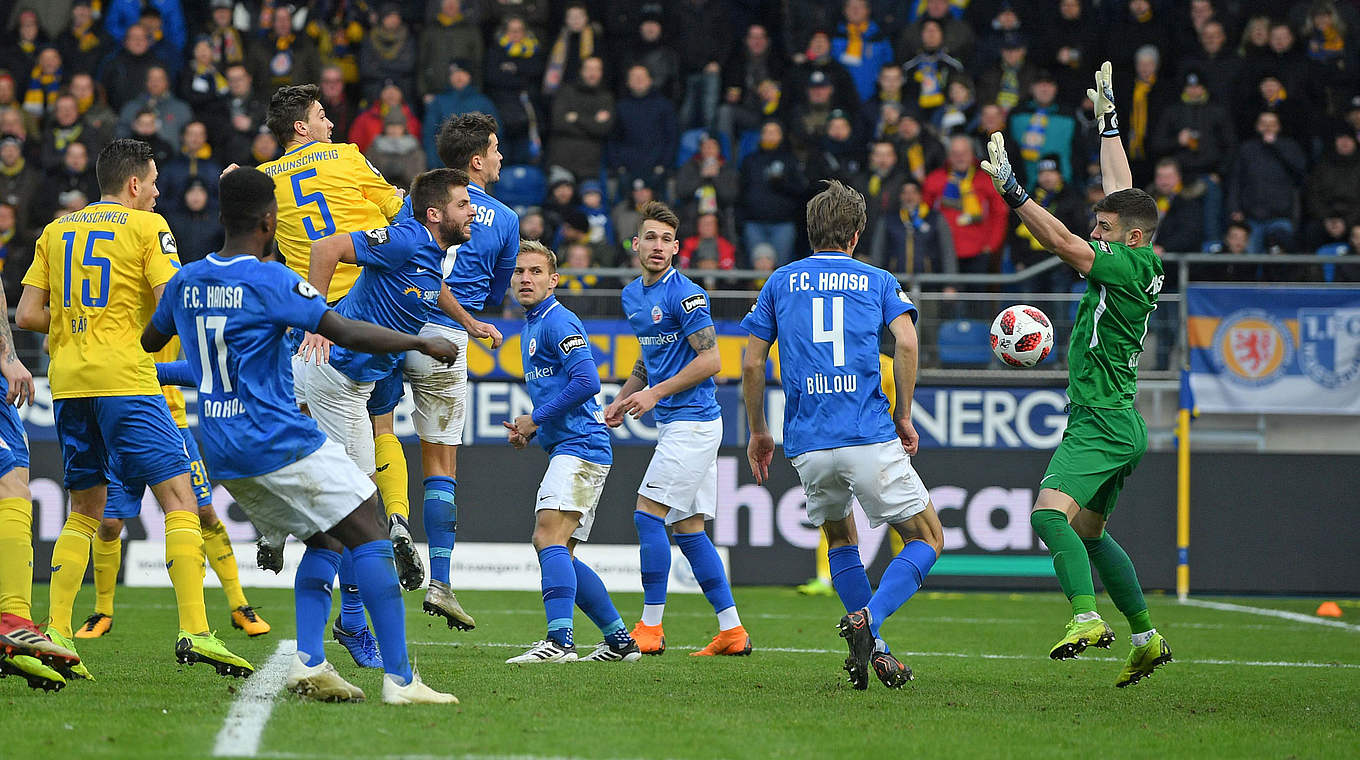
[478,271]
[230,314]
[397,289]
[827,312]
[552,342]
[664,315]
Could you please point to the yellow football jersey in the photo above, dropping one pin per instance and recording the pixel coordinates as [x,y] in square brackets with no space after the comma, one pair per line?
[174,397]
[322,189]
[99,267]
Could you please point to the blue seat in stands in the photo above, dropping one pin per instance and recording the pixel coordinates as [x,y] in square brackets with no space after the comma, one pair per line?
[747,143]
[964,342]
[521,186]
[690,140]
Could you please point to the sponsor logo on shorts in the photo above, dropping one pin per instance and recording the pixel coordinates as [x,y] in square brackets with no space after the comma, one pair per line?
[571,343]
[695,301]
[376,237]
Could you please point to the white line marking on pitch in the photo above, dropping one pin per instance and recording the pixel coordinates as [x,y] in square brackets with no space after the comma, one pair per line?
[1268,612]
[240,734]
[962,655]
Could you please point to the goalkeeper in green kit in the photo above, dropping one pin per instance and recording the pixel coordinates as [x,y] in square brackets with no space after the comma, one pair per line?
[1105,435]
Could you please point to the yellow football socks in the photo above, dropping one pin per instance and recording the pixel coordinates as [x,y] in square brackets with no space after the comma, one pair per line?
[217,545]
[391,475]
[184,562]
[16,556]
[823,562]
[108,555]
[70,557]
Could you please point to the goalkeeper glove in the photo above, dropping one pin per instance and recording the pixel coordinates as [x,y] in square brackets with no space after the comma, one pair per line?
[1102,99]
[1003,176]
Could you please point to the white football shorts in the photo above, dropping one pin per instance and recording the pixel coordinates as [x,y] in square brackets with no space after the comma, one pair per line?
[572,484]
[440,390]
[683,473]
[340,407]
[880,475]
[306,497]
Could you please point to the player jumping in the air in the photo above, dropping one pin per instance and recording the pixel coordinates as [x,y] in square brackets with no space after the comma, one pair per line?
[562,379]
[231,310]
[477,273]
[674,377]
[95,279]
[828,312]
[1105,436]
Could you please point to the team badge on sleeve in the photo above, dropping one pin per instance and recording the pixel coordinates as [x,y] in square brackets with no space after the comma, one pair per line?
[696,301]
[168,245]
[571,343]
[902,296]
[306,290]
[1104,246]
[376,237]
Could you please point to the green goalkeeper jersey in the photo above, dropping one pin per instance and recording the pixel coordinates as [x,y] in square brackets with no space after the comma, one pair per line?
[1112,320]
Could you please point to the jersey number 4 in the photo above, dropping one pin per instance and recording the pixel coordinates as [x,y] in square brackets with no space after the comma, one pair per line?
[322,208]
[89,261]
[212,354]
[836,335]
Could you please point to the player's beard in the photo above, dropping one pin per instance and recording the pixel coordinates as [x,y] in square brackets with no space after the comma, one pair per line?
[451,233]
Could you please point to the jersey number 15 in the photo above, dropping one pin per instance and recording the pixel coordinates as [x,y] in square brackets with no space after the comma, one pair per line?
[88,261]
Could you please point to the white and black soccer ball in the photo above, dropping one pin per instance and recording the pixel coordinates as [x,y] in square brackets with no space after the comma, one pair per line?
[1022,336]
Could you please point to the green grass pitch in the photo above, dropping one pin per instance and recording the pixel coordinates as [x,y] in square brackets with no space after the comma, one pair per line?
[1242,685]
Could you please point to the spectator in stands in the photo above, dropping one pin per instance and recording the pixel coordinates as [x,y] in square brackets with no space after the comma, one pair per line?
[561,200]
[576,229]
[1070,48]
[201,84]
[283,57]
[627,212]
[1146,94]
[1180,210]
[576,41]
[1042,127]
[9,102]
[194,221]
[451,36]
[1271,95]
[1333,188]
[928,73]
[771,194]
[83,43]
[703,36]
[531,225]
[228,46]
[645,139]
[1281,60]
[1219,67]
[514,68]
[1351,116]
[583,118]
[913,238]
[1264,183]
[64,128]
[976,215]
[459,97]
[1333,54]
[1196,132]
[1188,21]
[339,36]
[1236,241]
[20,53]
[651,49]
[1064,201]
[807,122]
[818,58]
[956,36]
[890,89]
[396,153]
[264,147]
[18,182]
[1140,25]
[369,124]
[125,71]
[13,124]
[880,181]
[602,234]
[861,46]
[146,127]
[754,64]
[166,44]
[959,113]
[16,251]
[94,110]
[335,98]
[121,15]
[918,148]
[708,183]
[1006,82]
[578,256]
[1005,22]
[44,82]
[194,162]
[707,248]
[838,153]
[75,175]
[388,55]
[171,112]
[245,115]
[992,119]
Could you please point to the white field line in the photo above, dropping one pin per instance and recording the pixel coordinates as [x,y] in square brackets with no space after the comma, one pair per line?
[351,756]
[241,732]
[961,655]
[1268,612]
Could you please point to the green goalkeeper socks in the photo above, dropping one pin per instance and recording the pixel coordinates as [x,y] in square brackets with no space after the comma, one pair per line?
[1070,561]
[1120,579]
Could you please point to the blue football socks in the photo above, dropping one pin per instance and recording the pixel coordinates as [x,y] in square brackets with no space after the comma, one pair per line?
[903,577]
[351,605]
[377,575]
[559,591]
[654,549]
[593,599]
[312,602]
[848,577]
[440,515]
[708,571]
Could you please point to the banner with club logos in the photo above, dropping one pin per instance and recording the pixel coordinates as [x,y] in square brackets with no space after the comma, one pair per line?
[1274,350]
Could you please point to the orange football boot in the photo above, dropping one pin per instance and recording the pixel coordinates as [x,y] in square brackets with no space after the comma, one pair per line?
[650,638]
[733,641]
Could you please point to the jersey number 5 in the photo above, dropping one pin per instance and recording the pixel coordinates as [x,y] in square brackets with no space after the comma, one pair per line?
[302,199]
[88,260]
[215,367]
[836,335]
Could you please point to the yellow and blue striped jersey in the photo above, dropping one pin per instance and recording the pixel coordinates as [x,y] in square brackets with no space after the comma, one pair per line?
[322,189]
[100,266]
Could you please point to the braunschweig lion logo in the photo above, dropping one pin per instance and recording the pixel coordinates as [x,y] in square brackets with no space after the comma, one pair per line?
[1252,347]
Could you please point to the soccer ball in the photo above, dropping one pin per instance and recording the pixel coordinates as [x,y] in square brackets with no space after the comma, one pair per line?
[1022,336]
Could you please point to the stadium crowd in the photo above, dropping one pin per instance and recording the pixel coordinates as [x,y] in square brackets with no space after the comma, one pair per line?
[1240,116]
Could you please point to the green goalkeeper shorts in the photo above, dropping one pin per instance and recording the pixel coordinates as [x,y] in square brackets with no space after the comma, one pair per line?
[1099,449]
